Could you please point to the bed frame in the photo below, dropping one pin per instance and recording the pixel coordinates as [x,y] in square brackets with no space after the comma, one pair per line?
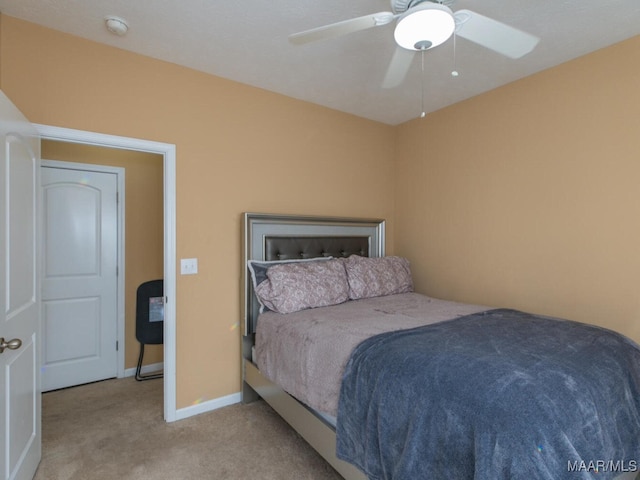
[283,237]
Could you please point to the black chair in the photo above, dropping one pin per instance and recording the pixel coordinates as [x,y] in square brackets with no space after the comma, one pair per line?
[149,320]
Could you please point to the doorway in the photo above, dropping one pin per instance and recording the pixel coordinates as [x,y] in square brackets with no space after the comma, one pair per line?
[168,154]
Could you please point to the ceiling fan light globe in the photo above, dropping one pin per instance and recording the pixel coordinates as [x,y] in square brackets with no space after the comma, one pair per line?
[431,23]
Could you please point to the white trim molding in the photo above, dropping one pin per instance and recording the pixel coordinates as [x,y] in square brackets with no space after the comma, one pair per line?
[208,406]
[151,368]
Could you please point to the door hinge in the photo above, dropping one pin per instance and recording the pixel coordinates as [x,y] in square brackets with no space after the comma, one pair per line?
[117,346]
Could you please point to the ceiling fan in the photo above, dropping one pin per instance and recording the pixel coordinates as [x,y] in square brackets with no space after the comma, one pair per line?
[425,24]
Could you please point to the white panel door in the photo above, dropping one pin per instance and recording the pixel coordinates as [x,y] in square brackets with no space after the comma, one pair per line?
[79,278]
[20,405]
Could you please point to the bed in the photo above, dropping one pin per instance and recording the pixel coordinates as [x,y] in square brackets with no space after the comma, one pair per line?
[320,390]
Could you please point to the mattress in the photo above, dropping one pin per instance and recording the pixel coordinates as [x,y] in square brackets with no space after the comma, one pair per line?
[306,352]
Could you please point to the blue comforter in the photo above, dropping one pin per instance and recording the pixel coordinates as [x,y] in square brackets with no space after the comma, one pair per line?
[498,395]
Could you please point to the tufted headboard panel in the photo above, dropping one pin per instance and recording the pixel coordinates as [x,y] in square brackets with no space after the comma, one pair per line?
[287,248]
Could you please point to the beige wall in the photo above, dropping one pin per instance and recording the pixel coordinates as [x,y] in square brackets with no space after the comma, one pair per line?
[524,197]
[143,224]
[528,196]
[238,149]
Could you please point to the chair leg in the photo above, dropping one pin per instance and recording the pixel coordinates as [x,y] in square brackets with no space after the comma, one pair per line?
[139,376]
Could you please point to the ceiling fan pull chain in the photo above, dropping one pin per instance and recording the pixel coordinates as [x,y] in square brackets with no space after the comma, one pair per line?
[423,114]
[454,72]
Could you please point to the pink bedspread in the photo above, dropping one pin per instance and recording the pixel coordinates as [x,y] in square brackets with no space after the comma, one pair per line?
[306,352]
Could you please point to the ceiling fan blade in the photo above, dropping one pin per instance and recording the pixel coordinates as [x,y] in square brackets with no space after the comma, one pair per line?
[342,28]
[494,35]
[398,67]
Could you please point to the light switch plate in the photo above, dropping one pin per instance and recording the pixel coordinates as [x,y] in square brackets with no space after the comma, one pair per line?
[188,266]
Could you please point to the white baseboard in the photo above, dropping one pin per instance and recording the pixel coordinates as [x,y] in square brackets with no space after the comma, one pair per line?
[208,406]
[196,409]
[154,367]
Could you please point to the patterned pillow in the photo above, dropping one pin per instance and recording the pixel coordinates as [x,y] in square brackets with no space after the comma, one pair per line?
[295,286]
[258,270]
[377,276]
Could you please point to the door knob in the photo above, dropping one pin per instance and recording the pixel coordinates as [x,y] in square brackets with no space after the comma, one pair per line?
[14,344]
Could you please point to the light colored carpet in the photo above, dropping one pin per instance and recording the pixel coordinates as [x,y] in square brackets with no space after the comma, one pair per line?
[114,430]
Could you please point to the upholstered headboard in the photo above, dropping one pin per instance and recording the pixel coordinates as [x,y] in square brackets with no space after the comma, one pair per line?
[285,237]
[286,247]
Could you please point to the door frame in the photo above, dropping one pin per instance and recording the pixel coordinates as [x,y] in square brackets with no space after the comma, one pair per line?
[168,152]
[119,172]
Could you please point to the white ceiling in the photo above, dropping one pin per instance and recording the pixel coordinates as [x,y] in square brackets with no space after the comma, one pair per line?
[247,42]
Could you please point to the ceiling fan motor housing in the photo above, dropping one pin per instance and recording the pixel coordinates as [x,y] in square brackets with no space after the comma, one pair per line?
[401,6]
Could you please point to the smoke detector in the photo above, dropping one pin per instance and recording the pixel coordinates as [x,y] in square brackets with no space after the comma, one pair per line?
[116,25]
